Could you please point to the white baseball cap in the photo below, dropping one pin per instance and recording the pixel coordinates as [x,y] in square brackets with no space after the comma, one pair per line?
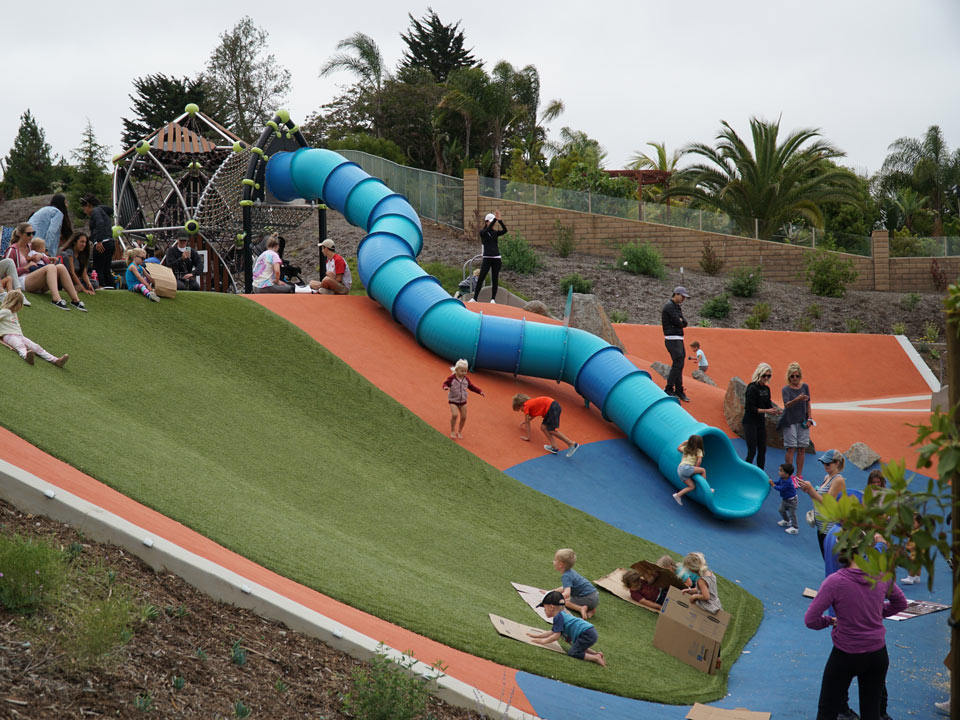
[490,217]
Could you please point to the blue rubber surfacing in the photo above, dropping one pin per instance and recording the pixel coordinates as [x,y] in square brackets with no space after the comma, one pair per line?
[781,667]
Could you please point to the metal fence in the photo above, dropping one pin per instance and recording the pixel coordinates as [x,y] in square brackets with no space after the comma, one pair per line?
[433,195]
[947,246]
[672,215]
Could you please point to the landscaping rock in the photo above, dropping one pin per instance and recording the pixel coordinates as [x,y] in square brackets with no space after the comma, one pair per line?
[538,307]
[588,314]
[703,377]
[861,455]
[940,399]
[733,401]
[660,368]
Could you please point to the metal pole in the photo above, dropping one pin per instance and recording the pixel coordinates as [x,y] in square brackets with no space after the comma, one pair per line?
[756,228]
[322,217]
[701,220]
[589,202]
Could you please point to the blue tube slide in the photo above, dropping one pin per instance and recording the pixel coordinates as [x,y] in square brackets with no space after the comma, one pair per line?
[624,394]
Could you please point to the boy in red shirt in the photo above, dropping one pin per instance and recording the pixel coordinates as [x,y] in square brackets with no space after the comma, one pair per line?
[549,409]
[337,280]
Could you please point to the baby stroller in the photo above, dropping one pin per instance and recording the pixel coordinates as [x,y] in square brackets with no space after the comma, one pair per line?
[468,286]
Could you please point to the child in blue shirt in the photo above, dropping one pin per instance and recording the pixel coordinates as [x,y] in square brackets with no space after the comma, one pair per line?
[787,488]
[579,633]
[580,595]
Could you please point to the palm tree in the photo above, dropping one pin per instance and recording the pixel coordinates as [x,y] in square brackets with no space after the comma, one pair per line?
[466,88]
[772,184]
[365,61]
[578,145]
[503,107]
[926,165]
[910,205]
[642,161]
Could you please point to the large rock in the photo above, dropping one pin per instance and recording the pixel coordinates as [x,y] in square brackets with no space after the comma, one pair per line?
[861,455]
[538,307]
[662,369]
[703,377]
[588,314]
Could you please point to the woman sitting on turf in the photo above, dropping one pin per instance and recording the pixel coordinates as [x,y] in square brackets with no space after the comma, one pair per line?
[266,272]
[40,279]
[76,258]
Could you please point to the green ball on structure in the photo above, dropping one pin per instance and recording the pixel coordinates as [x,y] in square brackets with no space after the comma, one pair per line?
[150,238]
[283,115]
[115,159]
[238,146]
[143,147]
[192,108]
[192,227]
[116,231]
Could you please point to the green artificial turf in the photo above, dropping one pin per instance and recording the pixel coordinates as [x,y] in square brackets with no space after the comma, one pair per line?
[223,416]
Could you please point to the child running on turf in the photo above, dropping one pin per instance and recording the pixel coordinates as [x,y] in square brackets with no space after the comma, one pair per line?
[549,409]
[578,592]
[12,335]
[787,488]
[690,464]
[457,385]
[576,631]
[704,589]
[137,278]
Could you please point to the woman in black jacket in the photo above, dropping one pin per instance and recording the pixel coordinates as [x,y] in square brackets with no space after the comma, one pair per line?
[756,405]
[490,237]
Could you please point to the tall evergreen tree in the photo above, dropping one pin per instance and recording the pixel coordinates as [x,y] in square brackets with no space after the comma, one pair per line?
[158,99]
[28,168]
[91,176]
[435,47]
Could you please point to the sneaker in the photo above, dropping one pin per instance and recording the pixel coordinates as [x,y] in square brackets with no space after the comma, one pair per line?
[943,707]
[791,531]
[676,496]
[551,449]
[572,449]
[492,301]
[153,296]
[61,361]
[472,300]
[683,396]
[783,523]
[910,580]
[60,304]
[30,356]
[848,714]
[26,303]
[79,305]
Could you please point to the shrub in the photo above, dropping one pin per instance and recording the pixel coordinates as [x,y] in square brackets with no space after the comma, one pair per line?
[576,281]
[619,316]
[827,274]
[752,322]
[899,328]
[814,311]
[745,281]
[642,259]
[911,301]
[931,333]
[31,574]
[98,627]
[804,324]
[704,322]
[939,276]
[387,691]
[762,311]
[710,261]
[854,325]
[518,255]
[716,307]
[563,242]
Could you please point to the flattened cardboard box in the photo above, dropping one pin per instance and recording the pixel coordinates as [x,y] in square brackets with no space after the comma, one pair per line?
[163,279]
[706,712]
[690,634]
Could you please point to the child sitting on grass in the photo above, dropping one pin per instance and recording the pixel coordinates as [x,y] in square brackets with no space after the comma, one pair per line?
[137,278]
[578,592]
[787,488]
[12,335]
[457,386]
[576,631]
[691,463]
[549,409]
[704,589]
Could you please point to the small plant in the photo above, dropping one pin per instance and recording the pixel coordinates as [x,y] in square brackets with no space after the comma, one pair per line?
[931,333]
[280,686]
[939,276]
[144,702]
[237,654]
[911,301]
[386,689]
[745,281]
[99,627]
[923,348]
[73,551]
[518,255]
[814,311]
[762,311]
[576,281]
[178,682]
[111,577]
[704,322]
[619,316]
[201,654]
[854,325]
[149,612]
[31,574]
[804,324]
[899,328]
[240,710]
[934,354]
[827,274]
[710,261]
[752,322]
[642,259]
[716,307]
[563,242]
[176,612]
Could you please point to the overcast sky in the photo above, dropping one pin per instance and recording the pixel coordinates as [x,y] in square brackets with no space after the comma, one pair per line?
[865,72]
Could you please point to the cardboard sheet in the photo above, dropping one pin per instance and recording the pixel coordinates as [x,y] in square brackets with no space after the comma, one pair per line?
[663,578]
[916,608]
[612,583]
[705,712]
[516,631]
[809,593]
[532,597]
[163,280]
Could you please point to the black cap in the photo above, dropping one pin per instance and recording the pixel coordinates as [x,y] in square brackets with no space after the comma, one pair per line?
[552,598]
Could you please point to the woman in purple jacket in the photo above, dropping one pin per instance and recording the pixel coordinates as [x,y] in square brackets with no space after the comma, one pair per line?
[859,648]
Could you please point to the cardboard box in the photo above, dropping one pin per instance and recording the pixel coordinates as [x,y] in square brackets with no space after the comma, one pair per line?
[706,712]
[690,634]
[163,279]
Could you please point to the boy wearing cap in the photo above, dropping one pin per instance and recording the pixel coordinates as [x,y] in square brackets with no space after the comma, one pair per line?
[337,280]
[491,262]
[576,631]
[671,317]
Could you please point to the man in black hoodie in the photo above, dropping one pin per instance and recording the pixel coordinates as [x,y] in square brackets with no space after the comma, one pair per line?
[101,235]
[673,323]
[186,263]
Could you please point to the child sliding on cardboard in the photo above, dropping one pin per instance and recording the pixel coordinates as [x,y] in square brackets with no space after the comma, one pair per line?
[576,631]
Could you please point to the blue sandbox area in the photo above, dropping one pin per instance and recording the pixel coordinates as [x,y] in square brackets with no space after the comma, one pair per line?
[781,667]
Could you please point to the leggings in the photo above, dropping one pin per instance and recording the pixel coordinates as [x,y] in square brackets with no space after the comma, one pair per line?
[870,669]
[21,344]
[756,436]
[492,265]
[141,288]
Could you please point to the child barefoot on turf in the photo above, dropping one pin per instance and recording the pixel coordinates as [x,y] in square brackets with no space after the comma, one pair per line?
[578,592]
[138,279]
[690,465]
[576,631]
[549,409]
[704,589]
[788,499]
[12,335]
[457,385]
